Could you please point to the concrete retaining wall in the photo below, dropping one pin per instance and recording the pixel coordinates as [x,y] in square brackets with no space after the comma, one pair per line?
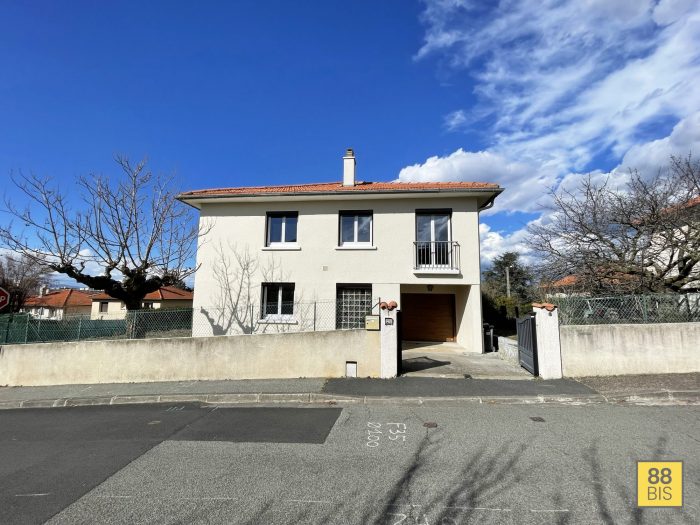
[313,354]
[508,350]
[619,349]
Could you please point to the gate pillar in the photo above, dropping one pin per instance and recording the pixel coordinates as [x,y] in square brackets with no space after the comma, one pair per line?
[388,319]
[548,345]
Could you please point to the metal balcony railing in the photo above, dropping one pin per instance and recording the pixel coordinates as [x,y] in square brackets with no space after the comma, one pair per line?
[436,256]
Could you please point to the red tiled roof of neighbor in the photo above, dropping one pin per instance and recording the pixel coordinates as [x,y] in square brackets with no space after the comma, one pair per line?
[566,281]
[61,299]
[167,293]
[692,202]
[337,187]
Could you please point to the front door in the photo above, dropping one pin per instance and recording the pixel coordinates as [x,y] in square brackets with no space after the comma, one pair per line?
[427,317]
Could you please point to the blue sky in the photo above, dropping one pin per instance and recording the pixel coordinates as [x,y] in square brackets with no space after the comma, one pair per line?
[531,94]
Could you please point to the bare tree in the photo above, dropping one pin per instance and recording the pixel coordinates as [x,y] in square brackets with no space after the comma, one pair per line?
[21,277]
[643,236]
[129,237]
[234,309]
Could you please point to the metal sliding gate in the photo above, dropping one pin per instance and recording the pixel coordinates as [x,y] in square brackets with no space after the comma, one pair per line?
[527,343]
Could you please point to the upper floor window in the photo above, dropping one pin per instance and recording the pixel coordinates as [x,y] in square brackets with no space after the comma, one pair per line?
[281,228]
[434,247]
[433,226]
[355,228]
[104,306]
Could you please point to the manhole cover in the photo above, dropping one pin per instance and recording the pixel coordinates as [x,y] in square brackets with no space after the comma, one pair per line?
[430,424]
[538,419]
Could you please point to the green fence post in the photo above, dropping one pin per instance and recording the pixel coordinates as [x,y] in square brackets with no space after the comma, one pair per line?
[314,316]
[645,308]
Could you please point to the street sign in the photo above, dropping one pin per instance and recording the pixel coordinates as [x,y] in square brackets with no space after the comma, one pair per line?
[4,298]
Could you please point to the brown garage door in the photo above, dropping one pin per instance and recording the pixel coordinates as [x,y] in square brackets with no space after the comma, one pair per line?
[428,317]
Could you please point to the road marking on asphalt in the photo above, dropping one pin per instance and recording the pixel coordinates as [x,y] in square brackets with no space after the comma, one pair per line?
[550,510]
[32,495]
[320,502]
[187,498]
[478,508]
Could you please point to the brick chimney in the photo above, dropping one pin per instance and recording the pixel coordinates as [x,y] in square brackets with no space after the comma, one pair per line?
[349,168]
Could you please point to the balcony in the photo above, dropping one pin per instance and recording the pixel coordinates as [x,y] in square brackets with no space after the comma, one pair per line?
[436,257]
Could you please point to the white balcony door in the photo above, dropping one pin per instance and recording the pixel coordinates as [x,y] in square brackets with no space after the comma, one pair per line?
[433,237]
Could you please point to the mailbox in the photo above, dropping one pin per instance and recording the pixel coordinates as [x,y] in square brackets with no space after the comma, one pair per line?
[372,322]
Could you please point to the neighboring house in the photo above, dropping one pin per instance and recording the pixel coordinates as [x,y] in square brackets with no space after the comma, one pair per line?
[278,250]
[104,306]
[59,303]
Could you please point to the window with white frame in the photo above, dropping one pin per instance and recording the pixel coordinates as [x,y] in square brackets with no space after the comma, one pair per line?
[277,301]
[355,228]
[281,228]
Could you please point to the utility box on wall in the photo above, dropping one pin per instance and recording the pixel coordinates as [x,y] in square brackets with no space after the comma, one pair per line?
[372,322]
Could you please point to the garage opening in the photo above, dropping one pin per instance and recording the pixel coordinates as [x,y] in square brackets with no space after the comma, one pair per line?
[428,317]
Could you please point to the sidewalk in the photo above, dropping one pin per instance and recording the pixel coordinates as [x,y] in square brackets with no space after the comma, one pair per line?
[642,390]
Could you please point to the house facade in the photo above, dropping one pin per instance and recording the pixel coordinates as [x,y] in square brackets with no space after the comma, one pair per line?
[268,255]
[57,304]
[105,307]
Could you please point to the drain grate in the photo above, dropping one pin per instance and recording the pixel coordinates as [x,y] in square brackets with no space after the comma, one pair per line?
[430,424]
[537,419]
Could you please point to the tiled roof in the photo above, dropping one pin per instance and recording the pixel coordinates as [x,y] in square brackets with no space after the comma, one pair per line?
[167,293]
[61,299]
[692,202]
[566,281]
[337,187]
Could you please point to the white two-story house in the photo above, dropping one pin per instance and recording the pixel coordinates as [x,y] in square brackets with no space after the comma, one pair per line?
[269,255]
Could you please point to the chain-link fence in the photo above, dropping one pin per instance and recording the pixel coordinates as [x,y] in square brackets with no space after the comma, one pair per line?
[629,309]
[200,322]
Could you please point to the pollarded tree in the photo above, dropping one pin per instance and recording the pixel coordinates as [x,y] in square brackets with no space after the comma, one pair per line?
[643,236]
[129,236]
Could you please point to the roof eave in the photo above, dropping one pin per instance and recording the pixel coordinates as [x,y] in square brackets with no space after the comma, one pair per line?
[197,200]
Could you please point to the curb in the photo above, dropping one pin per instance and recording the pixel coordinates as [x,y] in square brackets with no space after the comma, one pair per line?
[310,398]
[664,398]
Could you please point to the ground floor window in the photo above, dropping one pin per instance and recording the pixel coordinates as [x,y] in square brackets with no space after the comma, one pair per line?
[353,303]
[277,301]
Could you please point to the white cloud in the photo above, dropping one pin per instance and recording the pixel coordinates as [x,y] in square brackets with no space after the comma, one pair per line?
[649,156]
[455,120]
[564,81]
[485,166]
[494,243]
[561,83]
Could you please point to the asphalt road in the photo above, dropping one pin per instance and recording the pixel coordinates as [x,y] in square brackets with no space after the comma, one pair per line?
[362,464]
